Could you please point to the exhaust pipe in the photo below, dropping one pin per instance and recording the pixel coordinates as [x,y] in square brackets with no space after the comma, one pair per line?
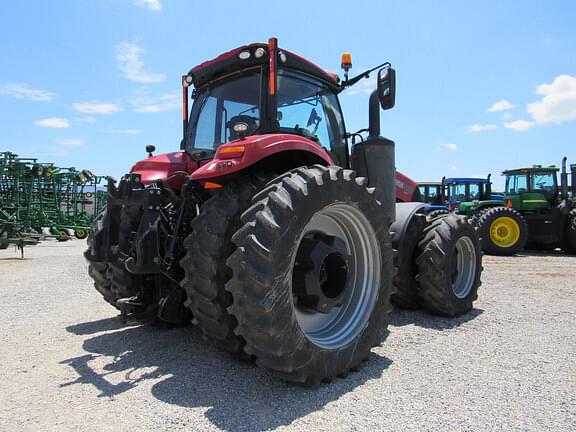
[564,181]
[573,179]
[373,158]
[488,187]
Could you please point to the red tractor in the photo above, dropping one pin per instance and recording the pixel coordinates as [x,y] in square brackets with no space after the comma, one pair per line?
[267,232]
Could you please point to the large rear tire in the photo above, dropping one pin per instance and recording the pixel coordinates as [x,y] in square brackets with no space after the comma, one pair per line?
[406,295]
[312,274]
[206,272]
[449,266]
[503,231]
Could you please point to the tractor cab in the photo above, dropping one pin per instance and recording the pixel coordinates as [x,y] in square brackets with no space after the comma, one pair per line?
[458,190]
[242,96]
[532,188]
[431,192]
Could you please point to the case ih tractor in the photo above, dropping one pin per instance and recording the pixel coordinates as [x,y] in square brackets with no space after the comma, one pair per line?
[267,232]
[535,212]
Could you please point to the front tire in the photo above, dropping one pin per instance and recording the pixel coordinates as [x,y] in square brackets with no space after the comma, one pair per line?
[312,272]
[503,231]
[449,266]
[111,279]
[206,272]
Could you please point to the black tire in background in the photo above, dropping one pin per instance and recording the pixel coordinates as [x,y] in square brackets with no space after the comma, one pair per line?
[406,295]
[449,266]
[4,245]
[435,213]
[503,231]
[297,343]
[569,243]
[206,272]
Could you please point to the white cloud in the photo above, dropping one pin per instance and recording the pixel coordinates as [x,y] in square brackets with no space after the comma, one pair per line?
[501,106]
[452,168]
[25,92]
[70,142]
[519,125]
[507,116]
[482,127]
[148,103]
[53,122]
[449,146]
[132,66]
[124,131]
[559,102]
[95,107]
[154,5]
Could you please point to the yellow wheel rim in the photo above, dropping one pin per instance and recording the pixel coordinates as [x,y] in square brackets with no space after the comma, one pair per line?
[504,232]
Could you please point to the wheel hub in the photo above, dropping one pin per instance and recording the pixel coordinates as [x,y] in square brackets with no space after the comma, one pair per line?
[320,272]
[505,232]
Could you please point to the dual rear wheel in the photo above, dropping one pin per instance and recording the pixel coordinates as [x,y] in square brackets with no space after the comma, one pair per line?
[439,265]
[303,285]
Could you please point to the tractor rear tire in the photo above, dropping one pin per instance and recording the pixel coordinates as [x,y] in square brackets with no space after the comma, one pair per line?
[406,296]
[206,272]
[298,311]
[503,231]
[569,245]
[449,266]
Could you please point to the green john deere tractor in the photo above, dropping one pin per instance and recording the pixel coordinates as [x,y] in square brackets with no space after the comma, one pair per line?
[537,212]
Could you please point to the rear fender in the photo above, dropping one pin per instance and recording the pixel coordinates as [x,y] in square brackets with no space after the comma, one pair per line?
[256,149]
[404,214]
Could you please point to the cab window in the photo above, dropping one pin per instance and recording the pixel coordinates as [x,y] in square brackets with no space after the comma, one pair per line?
[309,108]
[543,181]
[516,184]
[474,191]
[457,192]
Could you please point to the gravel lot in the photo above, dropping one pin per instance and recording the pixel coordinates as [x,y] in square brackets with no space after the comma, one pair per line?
[69,364]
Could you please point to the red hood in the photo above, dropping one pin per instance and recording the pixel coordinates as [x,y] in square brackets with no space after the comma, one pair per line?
[161,166]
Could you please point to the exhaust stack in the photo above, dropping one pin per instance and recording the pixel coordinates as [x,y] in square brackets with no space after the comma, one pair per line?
[564,181]
[573,179]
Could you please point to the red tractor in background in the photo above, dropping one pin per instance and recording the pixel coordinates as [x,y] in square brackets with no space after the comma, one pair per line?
[265,229]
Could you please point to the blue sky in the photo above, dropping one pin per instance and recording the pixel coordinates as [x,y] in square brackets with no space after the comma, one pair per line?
[482,85]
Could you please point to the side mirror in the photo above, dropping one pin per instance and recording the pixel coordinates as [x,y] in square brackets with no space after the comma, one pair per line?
[387,87]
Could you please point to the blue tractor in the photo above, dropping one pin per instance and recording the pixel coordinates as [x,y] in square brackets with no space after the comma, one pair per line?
[445,196]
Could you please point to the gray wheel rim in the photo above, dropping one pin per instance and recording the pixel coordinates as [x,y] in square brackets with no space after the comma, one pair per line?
[463,280]
[344,323]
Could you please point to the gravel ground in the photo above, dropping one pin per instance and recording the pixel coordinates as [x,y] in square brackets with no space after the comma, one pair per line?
[69,364]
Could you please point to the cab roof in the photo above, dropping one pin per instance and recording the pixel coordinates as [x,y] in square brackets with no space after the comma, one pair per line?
[230,61]
[453,180]
[534,169]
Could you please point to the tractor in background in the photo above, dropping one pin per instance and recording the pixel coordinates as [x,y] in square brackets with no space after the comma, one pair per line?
[267,231]
[467,189]
[431,192]
[446,196]
[537,212]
